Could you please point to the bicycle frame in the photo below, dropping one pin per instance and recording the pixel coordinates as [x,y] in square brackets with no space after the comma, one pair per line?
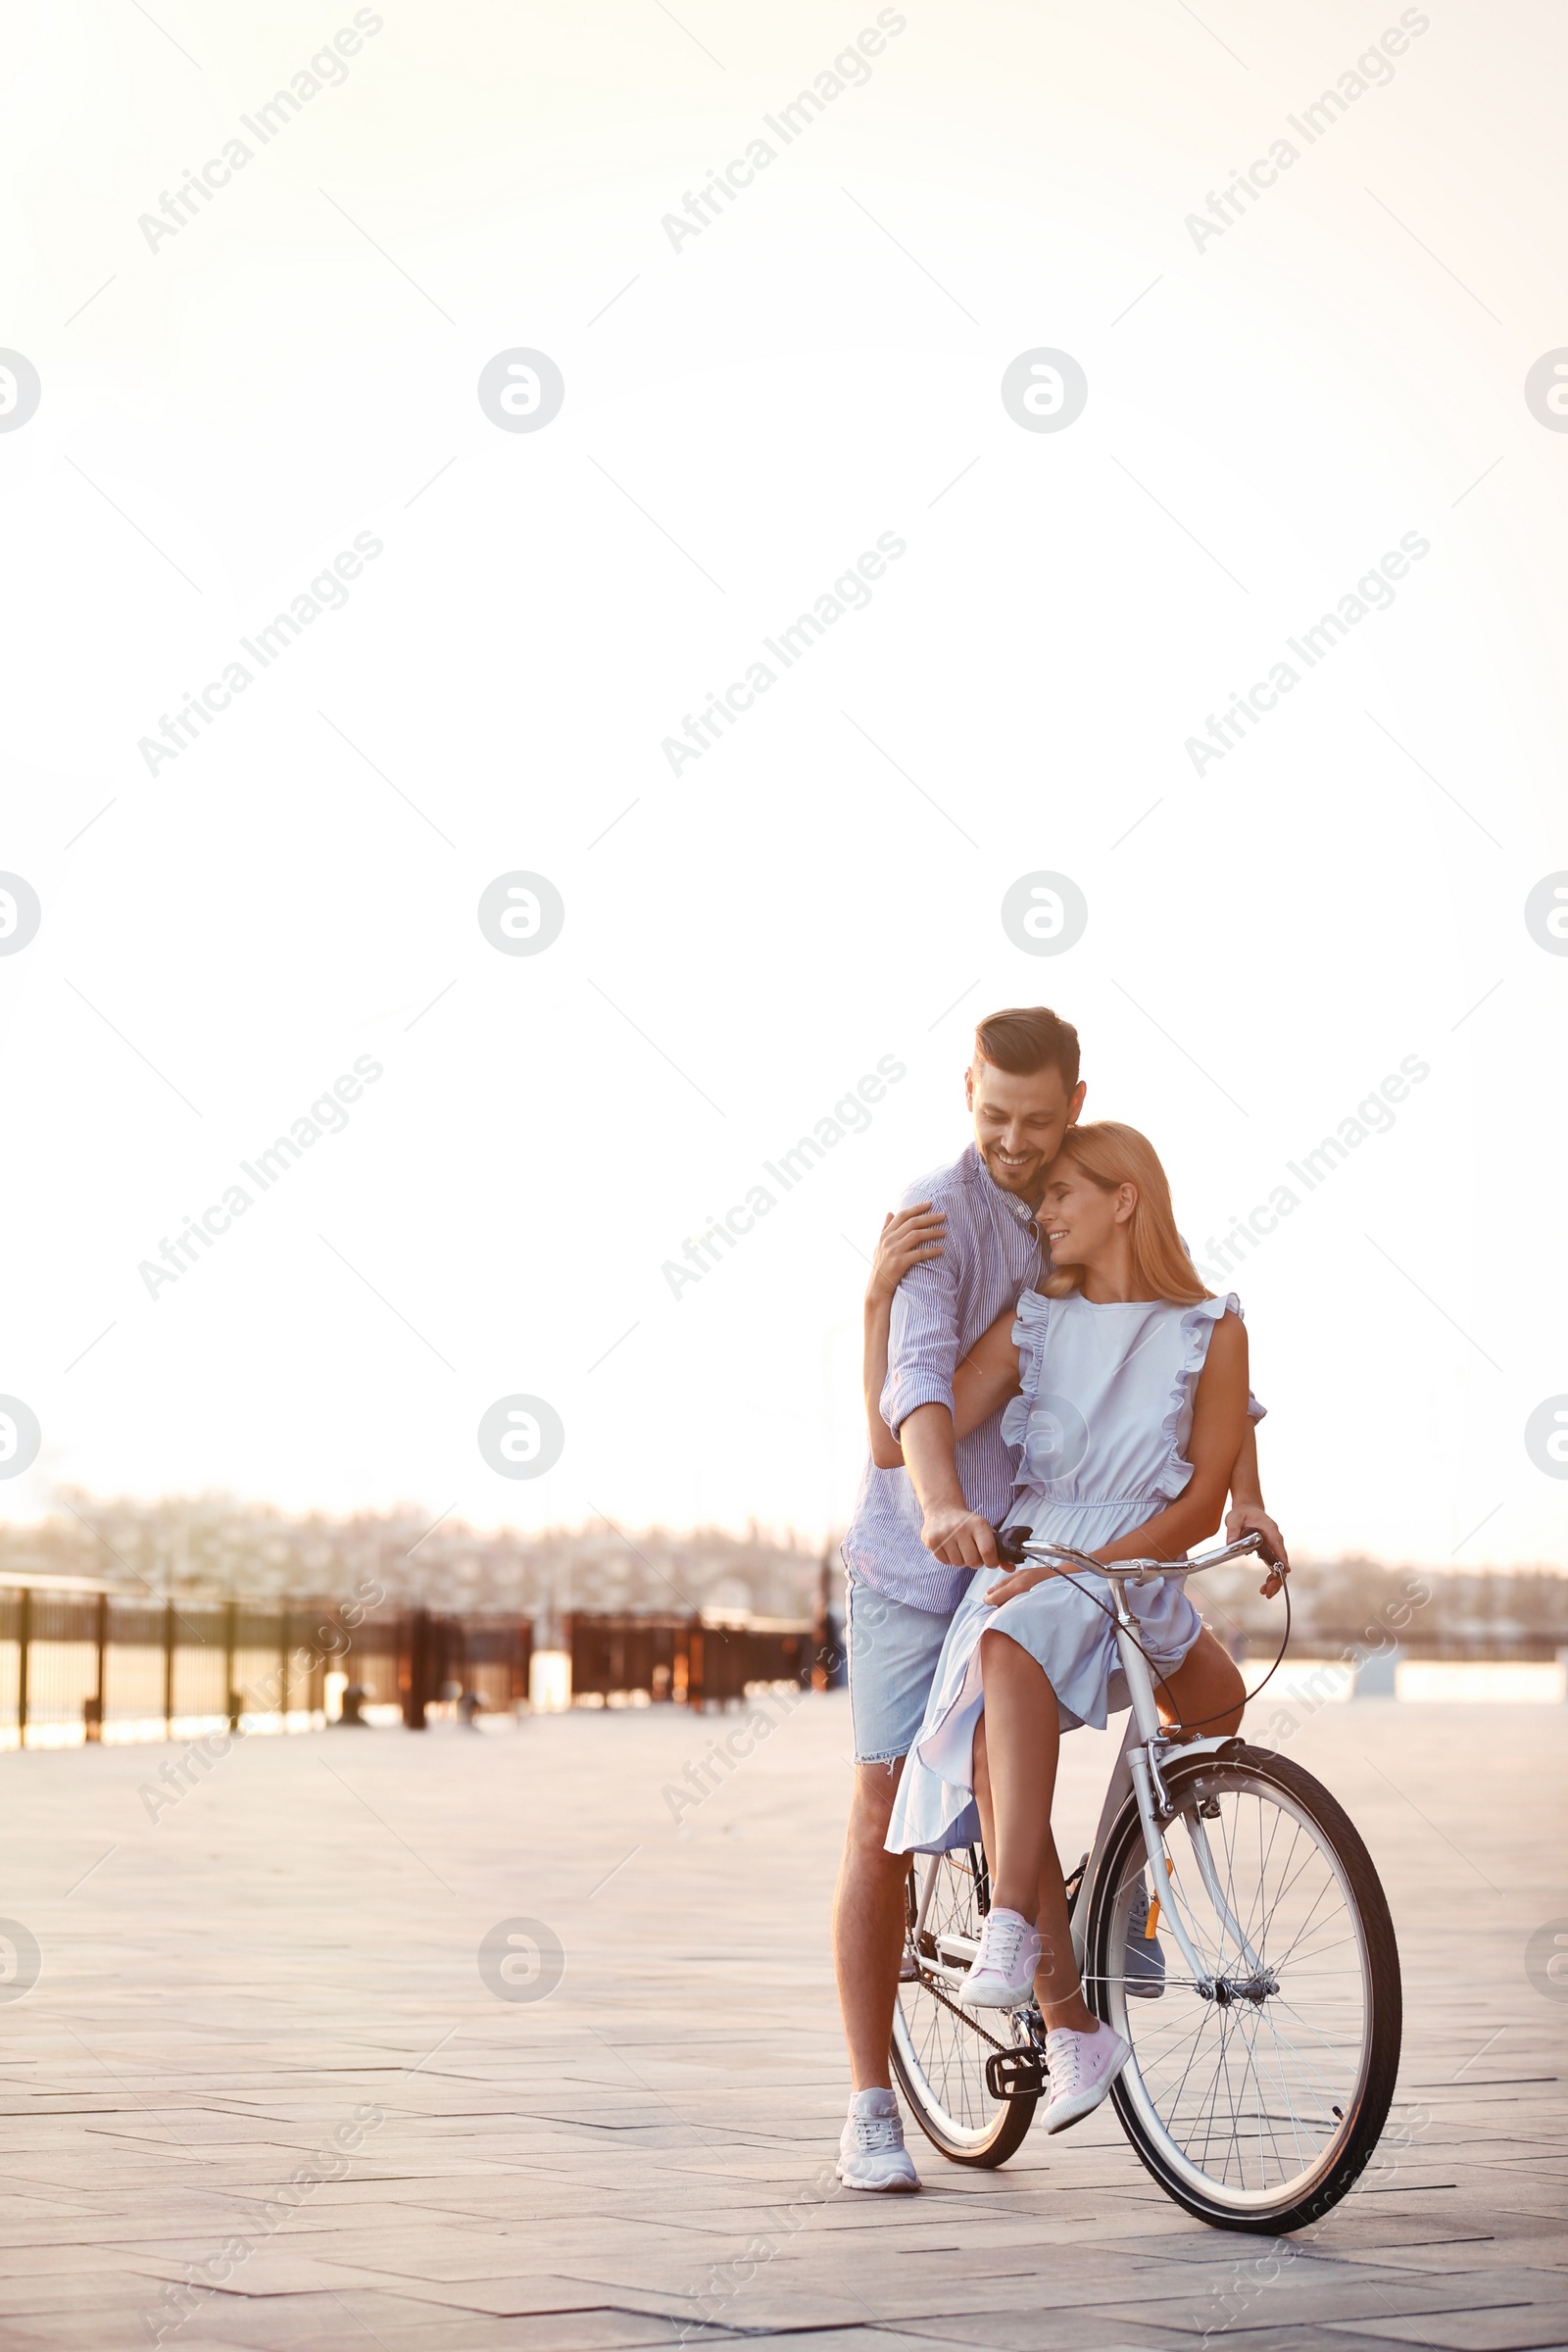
[1137,1772]
[1255,2120]
[955,1953]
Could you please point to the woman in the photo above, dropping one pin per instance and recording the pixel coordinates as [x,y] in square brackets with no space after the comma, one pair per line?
[1129,1390]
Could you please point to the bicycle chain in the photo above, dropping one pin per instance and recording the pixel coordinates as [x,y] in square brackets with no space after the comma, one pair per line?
[1008,2047]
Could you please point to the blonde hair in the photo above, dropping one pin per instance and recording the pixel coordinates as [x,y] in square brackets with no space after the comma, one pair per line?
[1111,1154]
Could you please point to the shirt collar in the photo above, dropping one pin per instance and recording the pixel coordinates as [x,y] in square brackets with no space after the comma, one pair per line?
[1017,1209]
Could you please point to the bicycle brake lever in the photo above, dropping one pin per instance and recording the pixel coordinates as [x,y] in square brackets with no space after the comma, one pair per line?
[1278,1567]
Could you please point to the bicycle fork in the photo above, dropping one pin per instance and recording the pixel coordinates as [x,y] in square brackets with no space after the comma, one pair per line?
[1137,1771]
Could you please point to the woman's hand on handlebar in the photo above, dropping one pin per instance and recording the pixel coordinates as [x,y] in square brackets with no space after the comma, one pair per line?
[1022,1580]
[1249,1519]
[908,1237]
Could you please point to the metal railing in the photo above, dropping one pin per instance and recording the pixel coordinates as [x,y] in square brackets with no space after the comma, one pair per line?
[81,1666]
[686,1660]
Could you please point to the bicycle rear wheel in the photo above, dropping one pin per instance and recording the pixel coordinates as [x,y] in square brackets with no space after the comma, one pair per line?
[1256,2092]
[940,2048]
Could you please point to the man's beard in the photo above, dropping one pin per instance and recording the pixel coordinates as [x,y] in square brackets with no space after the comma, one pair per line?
[1024,1181]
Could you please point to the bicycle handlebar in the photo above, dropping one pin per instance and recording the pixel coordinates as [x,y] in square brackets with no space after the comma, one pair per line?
[1014,1548]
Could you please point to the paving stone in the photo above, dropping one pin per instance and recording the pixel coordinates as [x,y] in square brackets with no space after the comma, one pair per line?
[1511,2328]
[272,1964]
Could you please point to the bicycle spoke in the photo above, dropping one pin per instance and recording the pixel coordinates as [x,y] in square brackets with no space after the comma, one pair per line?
[1289,2010]
[1263,1862]
[944,2048]
[1315,2088]
[1300,2154]
[1247,2076]
[1280,1958]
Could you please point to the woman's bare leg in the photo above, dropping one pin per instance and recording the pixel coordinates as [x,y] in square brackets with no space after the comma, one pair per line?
[1058,2006]
[1022,1764]
[982,1795]
[1206,1690]
[1046,1971]
[1021,1750]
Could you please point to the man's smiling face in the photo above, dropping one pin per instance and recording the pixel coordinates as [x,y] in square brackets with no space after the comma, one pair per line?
[1019,1122]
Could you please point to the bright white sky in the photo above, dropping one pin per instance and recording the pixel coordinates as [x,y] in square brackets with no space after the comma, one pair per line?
[1266,417]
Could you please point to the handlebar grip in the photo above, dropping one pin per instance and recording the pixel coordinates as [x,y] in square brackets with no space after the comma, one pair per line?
[1267,1554]
[1009,1546]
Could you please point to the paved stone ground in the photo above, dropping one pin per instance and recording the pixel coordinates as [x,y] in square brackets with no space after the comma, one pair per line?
[296,1939]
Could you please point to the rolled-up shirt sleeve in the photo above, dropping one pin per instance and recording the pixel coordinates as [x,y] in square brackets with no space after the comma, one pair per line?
[923,1342]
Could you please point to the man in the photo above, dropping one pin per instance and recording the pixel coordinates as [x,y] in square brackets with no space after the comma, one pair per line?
[917,1533]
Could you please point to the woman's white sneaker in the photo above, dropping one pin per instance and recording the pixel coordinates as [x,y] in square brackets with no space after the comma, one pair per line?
[1002,1974]
[871,2149]
[1081,2067]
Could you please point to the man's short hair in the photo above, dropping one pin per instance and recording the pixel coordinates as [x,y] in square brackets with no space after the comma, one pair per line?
[1029,1038]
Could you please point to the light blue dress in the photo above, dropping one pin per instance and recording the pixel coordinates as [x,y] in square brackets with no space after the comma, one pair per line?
[1104,1417]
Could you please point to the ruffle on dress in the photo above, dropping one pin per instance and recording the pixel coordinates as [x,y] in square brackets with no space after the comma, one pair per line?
[1029,1335]
[1198,1329]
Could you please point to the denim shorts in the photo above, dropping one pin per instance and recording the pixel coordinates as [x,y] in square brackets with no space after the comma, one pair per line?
[893,1653]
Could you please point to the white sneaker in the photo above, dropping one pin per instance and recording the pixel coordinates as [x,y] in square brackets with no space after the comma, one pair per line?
[1082,2067]
[1002,1974]
[871,2149]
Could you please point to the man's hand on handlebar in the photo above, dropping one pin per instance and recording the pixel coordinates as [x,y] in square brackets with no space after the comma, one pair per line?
[1251,1518]
[959,1538]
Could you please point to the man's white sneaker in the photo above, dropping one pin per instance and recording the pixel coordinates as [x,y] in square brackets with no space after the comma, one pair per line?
[871,2149]
[1082,2067]
[1002,1974]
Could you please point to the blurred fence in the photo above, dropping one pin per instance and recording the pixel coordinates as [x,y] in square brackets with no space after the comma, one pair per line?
[415,1659]
[685,1660]
[78,1665]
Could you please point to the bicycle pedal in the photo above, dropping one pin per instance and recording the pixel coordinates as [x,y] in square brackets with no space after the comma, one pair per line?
[1015,2074]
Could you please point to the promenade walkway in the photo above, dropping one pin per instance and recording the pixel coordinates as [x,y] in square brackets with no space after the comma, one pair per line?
[260,2053]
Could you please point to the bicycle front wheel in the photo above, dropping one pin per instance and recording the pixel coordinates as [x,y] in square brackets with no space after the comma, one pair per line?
[940,2050]
[1256,2089]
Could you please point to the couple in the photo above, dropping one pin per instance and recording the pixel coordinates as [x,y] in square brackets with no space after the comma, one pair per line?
[1038,1352]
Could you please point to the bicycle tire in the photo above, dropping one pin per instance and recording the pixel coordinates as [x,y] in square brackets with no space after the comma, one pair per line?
[938,2050]
[1348,2134]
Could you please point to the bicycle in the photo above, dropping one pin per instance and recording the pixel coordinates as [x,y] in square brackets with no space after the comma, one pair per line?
[1263,2069]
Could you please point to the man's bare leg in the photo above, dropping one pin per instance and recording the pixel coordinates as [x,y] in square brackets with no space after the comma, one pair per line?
[868,1925]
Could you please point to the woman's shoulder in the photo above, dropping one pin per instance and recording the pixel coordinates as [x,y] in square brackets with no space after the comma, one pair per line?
[1225,1328]
[1212,1310]
[1211,1331]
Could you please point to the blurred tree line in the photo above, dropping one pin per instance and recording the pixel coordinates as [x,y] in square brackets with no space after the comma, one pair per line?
[1360,1604]
[212,1544]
